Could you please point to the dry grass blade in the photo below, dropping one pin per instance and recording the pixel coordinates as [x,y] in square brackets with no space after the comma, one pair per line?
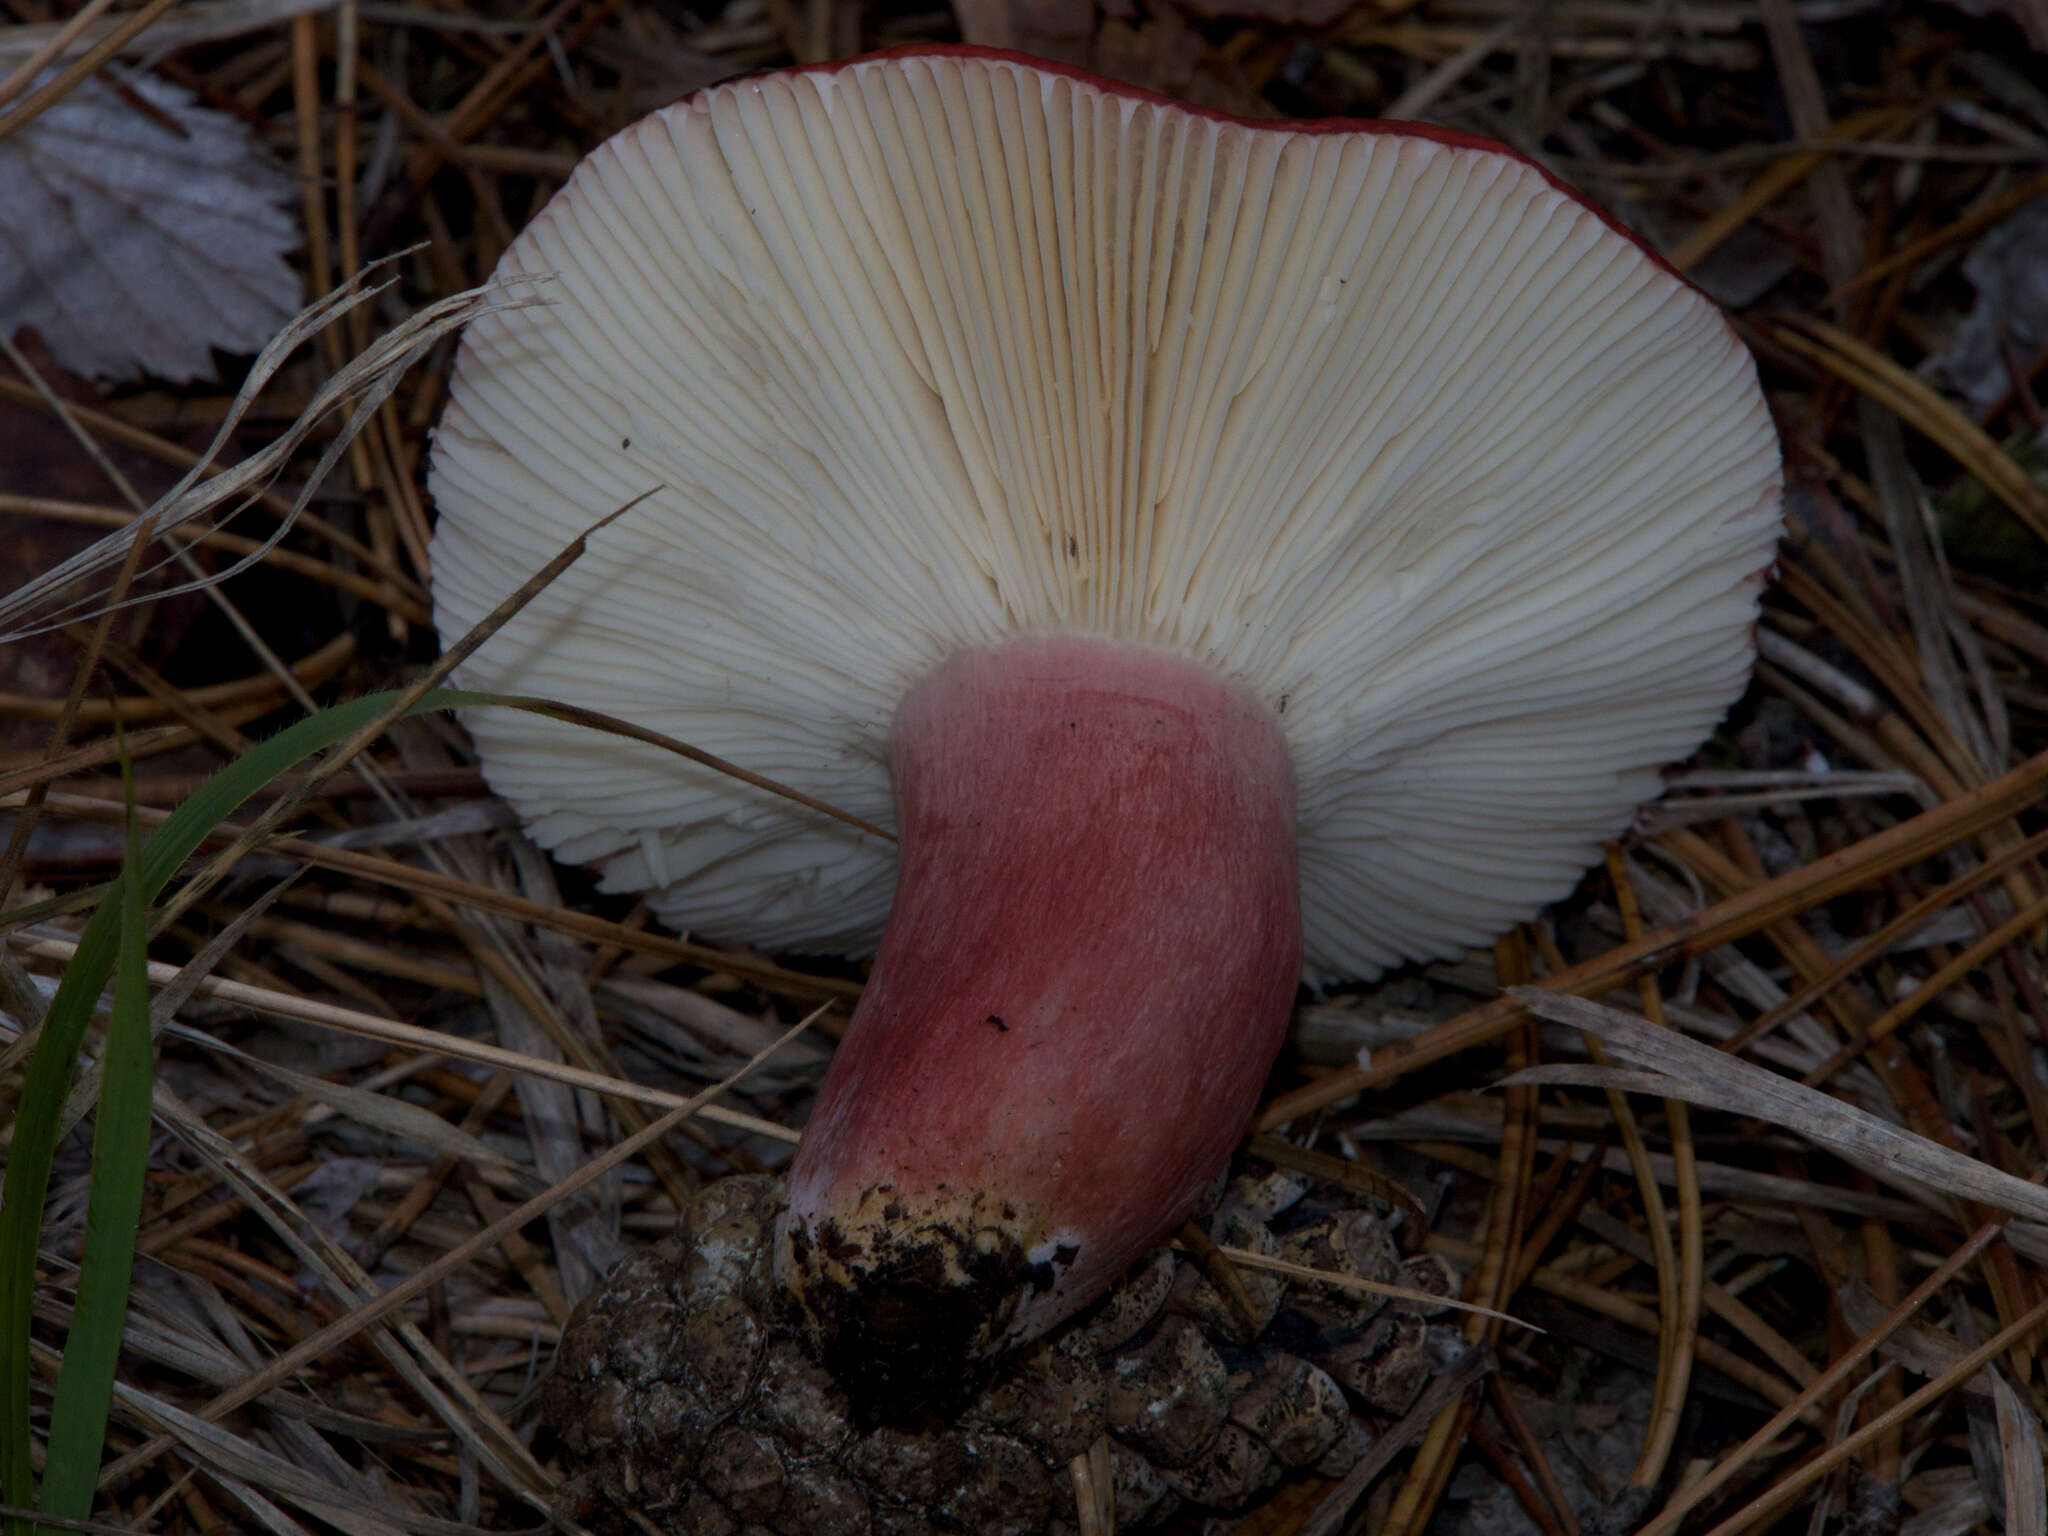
[1495,1272]
[1502,1398]
[48,95]
[285,1005]
[266,551]
[366,381]
[1676,1067]
[1884,381]
[2020,1450]
[1677,1264]
[1253,1260]
[24,825]
[1923,1350]
[421,1280]
[1973,955]
[221,1451]
[1911,917]
[1608,1302]
[401,704]
[1729,1308]
[65,35]
[395,1116]
[196,21]
[445,1393]
[1980,217]
[1776,182]
[168,1000]
[217,702]
[1790,1488]
[124,580]
[463,893]
[119,432]
[1697,1492]
[612,725]
[1737,917]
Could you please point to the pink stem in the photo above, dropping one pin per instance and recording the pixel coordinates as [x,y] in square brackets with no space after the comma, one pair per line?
[1085,978]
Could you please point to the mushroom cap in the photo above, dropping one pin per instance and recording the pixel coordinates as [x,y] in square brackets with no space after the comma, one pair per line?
[942,347]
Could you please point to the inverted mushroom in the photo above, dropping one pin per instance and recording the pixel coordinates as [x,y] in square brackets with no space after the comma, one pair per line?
[1213,546]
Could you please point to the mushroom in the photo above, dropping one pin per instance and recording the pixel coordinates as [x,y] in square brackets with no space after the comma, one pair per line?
[1216,547]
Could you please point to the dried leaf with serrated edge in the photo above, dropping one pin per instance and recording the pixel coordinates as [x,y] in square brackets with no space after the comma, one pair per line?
[140,236]
[1672,1066]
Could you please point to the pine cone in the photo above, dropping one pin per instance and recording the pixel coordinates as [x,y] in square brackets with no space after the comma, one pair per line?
[685,1393]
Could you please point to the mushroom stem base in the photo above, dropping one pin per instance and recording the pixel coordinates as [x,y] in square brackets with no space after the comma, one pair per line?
[1085,977]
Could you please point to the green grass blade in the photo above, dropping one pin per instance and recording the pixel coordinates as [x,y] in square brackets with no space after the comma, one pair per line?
[120,1154]
[114,934]
[50,1067]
